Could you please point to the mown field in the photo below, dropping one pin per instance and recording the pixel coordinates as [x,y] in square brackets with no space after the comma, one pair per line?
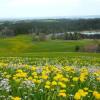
[47,70]
[24,46]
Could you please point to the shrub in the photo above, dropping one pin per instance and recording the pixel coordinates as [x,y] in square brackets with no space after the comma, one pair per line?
[77,48]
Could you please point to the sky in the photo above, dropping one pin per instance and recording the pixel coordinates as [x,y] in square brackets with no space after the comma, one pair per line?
[48,8]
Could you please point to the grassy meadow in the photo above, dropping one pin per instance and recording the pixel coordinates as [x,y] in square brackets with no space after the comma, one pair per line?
[23,45]
[48,70]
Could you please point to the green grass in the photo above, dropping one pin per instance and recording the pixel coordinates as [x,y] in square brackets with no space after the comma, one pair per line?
[23,45]
[43,55]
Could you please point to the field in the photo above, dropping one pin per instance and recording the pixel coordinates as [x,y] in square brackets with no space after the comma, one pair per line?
[49,79]
[47,70]
[23,44]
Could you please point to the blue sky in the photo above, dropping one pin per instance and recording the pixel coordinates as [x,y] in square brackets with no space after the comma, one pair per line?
[48,8]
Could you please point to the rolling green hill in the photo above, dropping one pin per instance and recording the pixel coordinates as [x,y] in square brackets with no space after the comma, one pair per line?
[23,45]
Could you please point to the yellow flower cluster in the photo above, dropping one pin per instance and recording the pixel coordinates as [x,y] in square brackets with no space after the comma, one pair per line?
[97,95]
[81,93]
[16,98]
[97,75]
[69,69]
[62,93]
[84,74]
[19,75]
[49,82]
[3,64]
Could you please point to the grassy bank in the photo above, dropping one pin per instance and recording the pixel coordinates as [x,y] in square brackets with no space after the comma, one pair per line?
[24,46]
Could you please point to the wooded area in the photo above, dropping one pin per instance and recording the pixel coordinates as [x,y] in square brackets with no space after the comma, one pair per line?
[51,26]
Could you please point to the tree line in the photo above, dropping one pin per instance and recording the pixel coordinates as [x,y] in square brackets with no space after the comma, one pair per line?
[51,26]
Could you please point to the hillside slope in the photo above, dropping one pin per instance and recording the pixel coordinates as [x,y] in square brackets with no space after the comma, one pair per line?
[24,44]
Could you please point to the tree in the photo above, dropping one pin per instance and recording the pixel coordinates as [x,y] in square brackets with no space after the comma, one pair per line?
[77,48]
[6,32]
[53,36]
[98,48]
